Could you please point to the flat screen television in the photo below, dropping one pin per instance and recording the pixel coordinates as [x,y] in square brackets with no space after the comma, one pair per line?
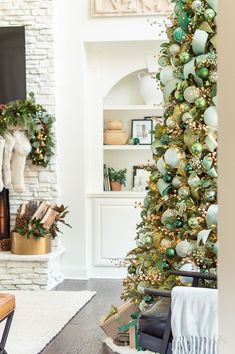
[12,64]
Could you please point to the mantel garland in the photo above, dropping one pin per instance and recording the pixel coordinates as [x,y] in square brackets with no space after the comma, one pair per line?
[31,116]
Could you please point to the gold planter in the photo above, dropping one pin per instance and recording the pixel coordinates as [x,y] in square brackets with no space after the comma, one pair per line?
[22,245]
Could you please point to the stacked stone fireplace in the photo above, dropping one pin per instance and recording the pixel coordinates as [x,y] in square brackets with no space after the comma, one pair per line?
[34,272]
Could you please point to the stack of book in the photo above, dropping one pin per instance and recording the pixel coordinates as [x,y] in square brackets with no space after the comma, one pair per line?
[107,185]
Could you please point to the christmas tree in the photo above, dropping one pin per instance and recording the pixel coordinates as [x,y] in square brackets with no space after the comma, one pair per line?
[179,214]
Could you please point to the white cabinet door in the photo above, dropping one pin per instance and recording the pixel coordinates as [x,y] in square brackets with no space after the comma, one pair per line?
[114,229]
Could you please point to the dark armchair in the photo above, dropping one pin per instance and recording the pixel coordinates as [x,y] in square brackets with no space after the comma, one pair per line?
[155,323]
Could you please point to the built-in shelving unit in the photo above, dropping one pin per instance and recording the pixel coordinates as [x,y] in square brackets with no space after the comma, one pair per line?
[136,107]
[127,147]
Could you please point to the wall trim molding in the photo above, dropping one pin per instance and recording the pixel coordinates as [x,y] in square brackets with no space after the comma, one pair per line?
[74,272]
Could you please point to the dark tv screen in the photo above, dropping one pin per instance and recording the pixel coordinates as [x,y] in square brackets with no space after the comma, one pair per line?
[12,64]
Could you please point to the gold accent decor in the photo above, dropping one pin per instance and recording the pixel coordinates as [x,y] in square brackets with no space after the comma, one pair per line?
[22,245]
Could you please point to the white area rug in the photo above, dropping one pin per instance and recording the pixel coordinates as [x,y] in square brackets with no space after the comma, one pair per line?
[123,350]
[40,316]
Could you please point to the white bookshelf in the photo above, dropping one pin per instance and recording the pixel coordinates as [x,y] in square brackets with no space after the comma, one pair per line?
[127,147]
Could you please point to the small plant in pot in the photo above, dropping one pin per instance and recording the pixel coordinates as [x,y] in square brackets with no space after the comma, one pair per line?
[117,179]
[37,223]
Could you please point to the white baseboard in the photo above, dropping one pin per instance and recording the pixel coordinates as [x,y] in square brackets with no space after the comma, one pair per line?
[74,272]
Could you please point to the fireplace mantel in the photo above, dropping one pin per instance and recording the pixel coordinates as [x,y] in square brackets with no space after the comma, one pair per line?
[37,272]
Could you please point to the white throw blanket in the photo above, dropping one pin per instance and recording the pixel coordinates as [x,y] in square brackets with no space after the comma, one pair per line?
[194,320]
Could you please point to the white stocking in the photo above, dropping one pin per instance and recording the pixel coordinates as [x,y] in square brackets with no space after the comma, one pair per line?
[6,168]
[2,143]
[21,150]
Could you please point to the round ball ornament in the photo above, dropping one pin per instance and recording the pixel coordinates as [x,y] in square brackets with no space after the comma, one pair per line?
[196,4]
[165,139]
[210,195]
[196,148]
[185,57]
[211,117]
[167,218]
[193,222]
[179,34]
[163,61]
[209,14]
[170,252]
[213,77]
[194,181]
[191,93]
[170,122]
[146,240]
[184,192]
[183,249]
[179,96]
[149,299]
[136,141]
[168,177]
[200,102]
[183,125]
[187,117]
[165,265]
[179,223]
[188,267]
[177,182]
[131,269]
[166,74]
[188,168]
[203,73]
[165,243]
[173,156]
[175,49]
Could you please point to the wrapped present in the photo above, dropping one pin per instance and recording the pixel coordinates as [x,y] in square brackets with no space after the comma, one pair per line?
[132,328]
[116,318]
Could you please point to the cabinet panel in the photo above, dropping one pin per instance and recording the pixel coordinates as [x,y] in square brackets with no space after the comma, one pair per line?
[114,229]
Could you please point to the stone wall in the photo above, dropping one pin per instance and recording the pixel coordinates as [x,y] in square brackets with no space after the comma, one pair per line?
[37,17]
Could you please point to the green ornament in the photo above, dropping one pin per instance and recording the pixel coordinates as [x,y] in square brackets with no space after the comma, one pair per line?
[179,223]
[179,34]
[178,9]
[170,252]
[163,61]
[185,57]
[183,125]
[184,192]
[196,148]
[187,117]
[168,177]
[203,73]
[196,4]
[209,14]
[188,168]
[177,182]
[147,264]
[179,96]
[165,265]
[136,141]
[131,269]
[170,122]
[200,102]
[165,139]
[149,299]
[193,222]
[184,20]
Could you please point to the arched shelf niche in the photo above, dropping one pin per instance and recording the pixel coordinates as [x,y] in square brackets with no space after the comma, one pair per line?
[126,91]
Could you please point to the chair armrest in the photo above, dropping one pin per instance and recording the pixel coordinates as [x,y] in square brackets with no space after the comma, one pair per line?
[154,292]
[195,275]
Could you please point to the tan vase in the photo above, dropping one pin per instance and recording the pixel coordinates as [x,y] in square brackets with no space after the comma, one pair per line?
[114,125]
[22,245]
[116,186]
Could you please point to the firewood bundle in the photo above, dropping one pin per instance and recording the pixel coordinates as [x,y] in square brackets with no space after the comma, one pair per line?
[39,218]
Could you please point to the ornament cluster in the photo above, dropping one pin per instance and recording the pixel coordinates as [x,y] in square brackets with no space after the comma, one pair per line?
[179,214]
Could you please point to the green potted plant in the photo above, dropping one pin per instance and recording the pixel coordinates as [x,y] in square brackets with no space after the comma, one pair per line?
[117,179]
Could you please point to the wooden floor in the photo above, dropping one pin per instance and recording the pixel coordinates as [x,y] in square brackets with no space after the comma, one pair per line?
[82,334]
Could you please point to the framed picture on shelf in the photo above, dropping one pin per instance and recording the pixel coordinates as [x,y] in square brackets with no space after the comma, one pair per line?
[142,129]
[140,179]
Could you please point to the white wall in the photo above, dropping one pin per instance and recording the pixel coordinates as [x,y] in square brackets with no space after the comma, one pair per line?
[74,28]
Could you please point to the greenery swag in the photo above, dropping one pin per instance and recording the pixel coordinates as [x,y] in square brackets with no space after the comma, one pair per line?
[33,117]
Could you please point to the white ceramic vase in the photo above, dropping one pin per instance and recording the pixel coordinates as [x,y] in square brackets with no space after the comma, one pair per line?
[149,90]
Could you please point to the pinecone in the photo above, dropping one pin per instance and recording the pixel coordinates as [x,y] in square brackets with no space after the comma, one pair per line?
[21,221]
